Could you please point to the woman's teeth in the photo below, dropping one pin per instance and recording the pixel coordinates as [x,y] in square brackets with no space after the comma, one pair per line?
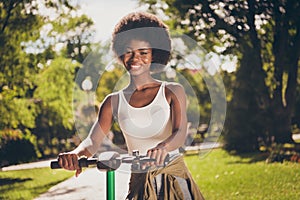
[135,66]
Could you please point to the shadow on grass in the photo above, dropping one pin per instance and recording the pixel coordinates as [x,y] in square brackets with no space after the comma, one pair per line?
[36,191]
[249,158]
[10,181]
[58,191]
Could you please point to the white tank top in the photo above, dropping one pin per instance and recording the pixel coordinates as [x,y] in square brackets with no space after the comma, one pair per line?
[145,127]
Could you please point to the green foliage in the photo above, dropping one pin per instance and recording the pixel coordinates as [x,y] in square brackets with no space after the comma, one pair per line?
[55,85]
[17,147]
[36,79]
[16,111]
[17,68]
[110,81]
[54,93]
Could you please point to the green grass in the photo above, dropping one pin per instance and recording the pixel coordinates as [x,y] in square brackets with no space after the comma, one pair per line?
[221,176]
[28,184]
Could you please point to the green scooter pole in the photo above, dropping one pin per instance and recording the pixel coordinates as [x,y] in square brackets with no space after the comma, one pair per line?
[110,185]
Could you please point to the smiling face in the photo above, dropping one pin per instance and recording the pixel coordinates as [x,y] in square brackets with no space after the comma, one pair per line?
[137,57]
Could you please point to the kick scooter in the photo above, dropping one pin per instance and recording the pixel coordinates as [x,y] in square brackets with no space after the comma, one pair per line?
[109,162]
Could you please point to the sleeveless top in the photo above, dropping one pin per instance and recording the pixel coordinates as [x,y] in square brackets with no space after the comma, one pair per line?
[145,127]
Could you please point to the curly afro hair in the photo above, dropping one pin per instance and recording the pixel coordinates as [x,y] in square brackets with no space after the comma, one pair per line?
[145,27]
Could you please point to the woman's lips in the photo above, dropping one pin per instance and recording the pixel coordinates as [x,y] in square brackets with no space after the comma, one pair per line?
[135,67]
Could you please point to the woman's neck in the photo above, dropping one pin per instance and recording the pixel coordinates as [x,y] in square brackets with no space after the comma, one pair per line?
[141,82]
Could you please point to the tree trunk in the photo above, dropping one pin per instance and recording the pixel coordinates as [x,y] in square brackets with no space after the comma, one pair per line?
[247,110]
[286,61]
[283,106]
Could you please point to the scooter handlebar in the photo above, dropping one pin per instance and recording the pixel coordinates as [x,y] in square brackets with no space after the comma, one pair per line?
[111,161]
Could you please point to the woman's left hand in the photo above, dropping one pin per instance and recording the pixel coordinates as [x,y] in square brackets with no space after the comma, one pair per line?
[159,153]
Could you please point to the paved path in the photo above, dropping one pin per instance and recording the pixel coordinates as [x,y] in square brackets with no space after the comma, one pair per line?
[39,164]
[90,185]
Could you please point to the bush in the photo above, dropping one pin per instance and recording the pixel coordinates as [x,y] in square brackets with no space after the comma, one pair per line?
[16,147]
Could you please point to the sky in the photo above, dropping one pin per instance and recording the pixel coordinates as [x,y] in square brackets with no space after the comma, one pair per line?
[106,13]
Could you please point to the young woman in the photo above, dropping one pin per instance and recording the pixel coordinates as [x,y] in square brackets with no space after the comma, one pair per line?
[151,113]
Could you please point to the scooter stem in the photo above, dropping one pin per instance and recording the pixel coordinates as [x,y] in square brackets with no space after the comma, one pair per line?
[110,184]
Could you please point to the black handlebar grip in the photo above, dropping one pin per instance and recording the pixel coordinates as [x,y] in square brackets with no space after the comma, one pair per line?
[82,162]
[54,165]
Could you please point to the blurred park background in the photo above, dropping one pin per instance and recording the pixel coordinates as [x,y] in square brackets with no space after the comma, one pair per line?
[255,46]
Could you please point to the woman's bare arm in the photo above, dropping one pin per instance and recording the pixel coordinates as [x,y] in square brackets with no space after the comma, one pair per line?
[92,142]
[177,98]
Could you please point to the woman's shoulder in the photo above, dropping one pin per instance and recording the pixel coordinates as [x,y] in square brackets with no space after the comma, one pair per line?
[174,91]
[174,87]
[111,101]
[172,84]
[112,97]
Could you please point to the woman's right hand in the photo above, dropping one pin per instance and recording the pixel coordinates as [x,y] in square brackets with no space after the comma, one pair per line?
[69,161]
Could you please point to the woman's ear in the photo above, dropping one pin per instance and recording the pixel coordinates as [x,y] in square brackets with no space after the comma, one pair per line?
[121,60]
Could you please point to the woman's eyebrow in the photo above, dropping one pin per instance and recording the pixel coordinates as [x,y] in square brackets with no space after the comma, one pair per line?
[140,49]
[146,48]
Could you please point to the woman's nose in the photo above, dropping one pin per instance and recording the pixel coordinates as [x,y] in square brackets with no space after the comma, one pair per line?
[135,56]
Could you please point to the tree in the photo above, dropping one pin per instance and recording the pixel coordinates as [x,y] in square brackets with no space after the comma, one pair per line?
[286,50]
[75,33]
[70,36]
[54,92]
[265,36]
[17,109]
[20,24]
[29,41]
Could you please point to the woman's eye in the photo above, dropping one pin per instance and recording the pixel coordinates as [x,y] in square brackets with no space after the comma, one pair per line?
[143,53]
